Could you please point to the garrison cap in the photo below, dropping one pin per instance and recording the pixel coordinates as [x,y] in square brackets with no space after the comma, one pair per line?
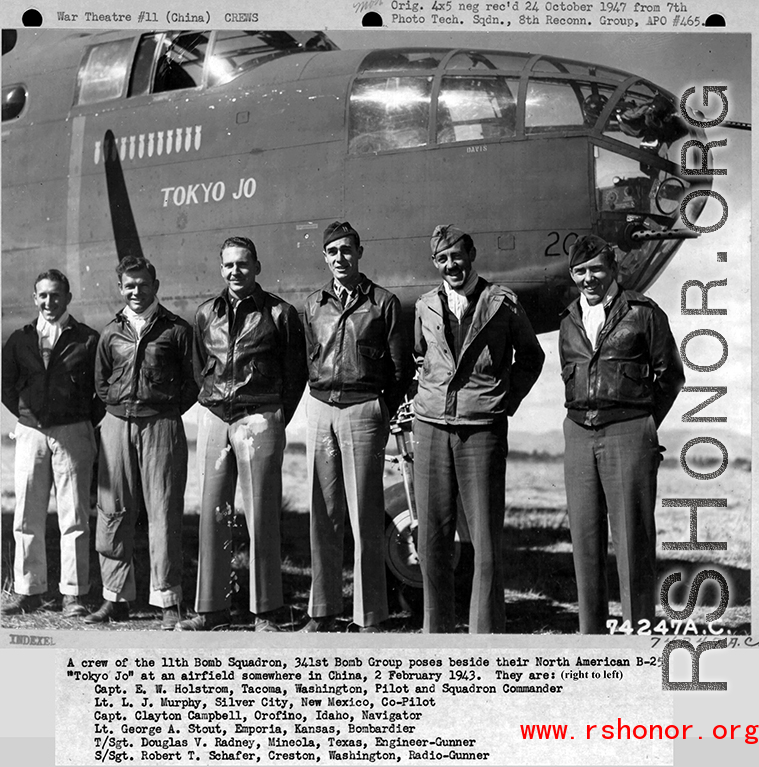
[586,247]
[337,230]
[444,237]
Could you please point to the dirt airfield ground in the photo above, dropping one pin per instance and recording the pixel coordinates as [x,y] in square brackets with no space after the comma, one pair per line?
[540,590]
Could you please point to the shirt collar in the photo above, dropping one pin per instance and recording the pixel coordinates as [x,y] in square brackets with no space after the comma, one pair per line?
[466,289]
[130,314]
[223,301]
[44,325]
[605,302]
[340,289]
[364,285]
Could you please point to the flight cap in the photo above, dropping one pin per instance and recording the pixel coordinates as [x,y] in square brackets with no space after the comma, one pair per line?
[586,247]
[337,230]
[445,236]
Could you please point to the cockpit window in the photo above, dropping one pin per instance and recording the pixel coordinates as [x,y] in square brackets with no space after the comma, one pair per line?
[549,65]
[235,52]
[397,60]
[103,73]
[169,61]
[476,108]
[388,113]
[14,101]
[180,61]
[488,60]
[552,105]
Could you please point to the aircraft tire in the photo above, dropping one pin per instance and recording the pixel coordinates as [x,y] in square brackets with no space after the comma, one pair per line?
[404,576]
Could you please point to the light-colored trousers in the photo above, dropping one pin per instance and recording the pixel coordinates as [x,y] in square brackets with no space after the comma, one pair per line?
[60,456]
[250,451]
[345,450]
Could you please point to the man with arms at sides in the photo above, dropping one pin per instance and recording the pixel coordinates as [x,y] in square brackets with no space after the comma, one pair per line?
[250,366]
[478,357]
[358,373]
[622,373]
[49,385]
[144,376]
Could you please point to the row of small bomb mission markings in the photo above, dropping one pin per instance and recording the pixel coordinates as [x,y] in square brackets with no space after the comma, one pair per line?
[173,140]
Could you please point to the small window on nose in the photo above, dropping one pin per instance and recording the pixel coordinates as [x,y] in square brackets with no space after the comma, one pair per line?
[14,101]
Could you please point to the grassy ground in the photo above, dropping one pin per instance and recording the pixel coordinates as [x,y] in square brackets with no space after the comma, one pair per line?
[540,588]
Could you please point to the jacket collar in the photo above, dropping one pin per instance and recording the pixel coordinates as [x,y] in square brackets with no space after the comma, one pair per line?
[161,312]
[490,300]
[479,286]
[485,310]
[222,304]
[434,298]
[618,309]
[365,286]
[618,303]
[71,324]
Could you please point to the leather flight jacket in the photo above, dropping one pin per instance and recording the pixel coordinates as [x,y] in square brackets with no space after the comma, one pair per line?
[60,394]
[249,356]
[499,362]
[150,374]
[635,369]
[358,352]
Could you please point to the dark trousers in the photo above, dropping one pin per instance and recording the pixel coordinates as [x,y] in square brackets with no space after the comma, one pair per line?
[470,461]
[346,458]
[610,474]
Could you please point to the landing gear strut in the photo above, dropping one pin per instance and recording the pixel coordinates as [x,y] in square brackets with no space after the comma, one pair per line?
[404,575]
